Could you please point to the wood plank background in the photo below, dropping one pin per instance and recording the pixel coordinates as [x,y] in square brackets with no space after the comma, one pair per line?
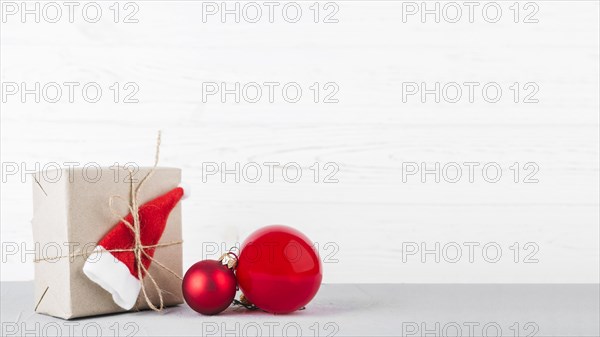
[369,53]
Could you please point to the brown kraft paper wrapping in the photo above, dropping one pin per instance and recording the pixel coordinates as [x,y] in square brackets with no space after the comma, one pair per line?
[71,213]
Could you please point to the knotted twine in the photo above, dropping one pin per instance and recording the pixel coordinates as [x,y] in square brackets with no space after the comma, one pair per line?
[138,249]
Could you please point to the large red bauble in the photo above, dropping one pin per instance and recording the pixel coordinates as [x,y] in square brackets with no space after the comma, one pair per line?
[209,287]
[278,269]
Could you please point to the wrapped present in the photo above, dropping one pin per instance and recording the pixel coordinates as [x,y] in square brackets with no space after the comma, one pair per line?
[120,234]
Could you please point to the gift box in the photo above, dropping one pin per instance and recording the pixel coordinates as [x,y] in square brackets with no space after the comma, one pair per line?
[87,263]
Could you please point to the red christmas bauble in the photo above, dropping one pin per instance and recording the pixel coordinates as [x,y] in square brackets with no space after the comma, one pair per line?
[209,287]
[278,269]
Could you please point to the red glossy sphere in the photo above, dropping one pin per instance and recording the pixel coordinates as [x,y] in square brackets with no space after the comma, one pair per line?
[278,269]
[209,287]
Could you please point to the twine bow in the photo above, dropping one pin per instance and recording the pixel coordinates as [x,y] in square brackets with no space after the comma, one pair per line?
[138,249]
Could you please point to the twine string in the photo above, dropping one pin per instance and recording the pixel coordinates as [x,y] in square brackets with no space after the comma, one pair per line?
[86,254]
[139,249]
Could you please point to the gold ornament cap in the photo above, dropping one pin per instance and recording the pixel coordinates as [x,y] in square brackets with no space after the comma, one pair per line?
[229,259]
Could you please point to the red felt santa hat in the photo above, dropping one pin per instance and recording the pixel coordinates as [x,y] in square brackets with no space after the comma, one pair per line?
[117,271]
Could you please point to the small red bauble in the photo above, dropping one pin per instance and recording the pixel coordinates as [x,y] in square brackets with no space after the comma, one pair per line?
[209,287]
[278,269]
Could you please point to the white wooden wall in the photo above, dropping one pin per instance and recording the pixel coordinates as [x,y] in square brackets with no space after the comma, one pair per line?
[369,53]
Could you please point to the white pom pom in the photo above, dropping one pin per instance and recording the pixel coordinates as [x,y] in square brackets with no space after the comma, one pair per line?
[186,190]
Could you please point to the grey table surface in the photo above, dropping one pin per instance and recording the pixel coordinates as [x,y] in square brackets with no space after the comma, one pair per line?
[347,310]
